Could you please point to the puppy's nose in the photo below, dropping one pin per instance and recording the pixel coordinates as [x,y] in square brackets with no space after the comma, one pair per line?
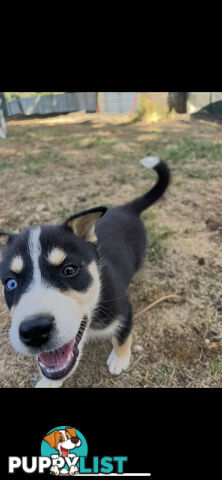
[35,332]
[74,440]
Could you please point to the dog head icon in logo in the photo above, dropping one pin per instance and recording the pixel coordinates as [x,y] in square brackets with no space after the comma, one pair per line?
[64,445]
[63,440]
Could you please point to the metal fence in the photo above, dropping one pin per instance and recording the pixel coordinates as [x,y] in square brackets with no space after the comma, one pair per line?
[109,102]
[118,102]
[55,103]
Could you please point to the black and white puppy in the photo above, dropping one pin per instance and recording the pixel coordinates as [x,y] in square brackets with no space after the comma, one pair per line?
[64,284]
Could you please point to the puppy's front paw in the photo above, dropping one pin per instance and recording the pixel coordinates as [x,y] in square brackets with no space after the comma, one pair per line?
[72,470]
[46,383]
[117,364]
[54,470]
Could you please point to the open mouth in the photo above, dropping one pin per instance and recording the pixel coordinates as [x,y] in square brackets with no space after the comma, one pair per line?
[58,363]
[64,452]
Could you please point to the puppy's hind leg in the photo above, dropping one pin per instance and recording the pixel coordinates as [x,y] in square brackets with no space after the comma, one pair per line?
[119,358]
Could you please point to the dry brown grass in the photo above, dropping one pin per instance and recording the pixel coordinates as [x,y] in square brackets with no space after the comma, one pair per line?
[52,167]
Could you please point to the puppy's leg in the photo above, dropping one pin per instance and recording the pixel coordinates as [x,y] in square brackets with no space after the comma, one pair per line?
[46,383]
[119,358]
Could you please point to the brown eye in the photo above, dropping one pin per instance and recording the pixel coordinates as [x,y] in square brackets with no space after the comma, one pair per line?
[70,270]
[61,439]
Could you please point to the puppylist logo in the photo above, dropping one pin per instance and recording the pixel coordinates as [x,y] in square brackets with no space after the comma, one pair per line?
[64,446]
[63,453]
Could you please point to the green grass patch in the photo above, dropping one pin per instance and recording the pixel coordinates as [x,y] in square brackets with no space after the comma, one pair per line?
[184,149]
[156,248]
[199,173]
[31,160]
[46,157]
[194,283]
[188,148]
[4,165]
[33,171]
[216,366]
[25,198]
[189,230]
[149,215]
[100,141]
[67,212]
[163,374]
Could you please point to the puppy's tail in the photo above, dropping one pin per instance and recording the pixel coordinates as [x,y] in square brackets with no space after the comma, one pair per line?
[145,201]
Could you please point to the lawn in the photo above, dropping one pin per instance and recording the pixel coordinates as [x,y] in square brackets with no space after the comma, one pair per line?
[53,167]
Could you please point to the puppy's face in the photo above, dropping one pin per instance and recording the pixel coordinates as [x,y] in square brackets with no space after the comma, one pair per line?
[51,285]
[63,440]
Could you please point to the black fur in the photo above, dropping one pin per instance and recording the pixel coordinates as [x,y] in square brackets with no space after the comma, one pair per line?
[79,253]
[121,247]
[119,254]
[17,244]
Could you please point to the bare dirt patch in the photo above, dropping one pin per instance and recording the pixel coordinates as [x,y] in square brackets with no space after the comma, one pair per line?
[53,167]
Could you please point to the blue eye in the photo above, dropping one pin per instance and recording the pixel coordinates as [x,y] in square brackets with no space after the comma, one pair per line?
[11,284]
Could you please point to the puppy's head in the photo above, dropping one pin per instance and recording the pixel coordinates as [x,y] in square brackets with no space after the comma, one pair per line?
[51,284]
[63,440]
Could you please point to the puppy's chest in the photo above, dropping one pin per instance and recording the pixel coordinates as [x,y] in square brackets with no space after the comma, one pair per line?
[102,329]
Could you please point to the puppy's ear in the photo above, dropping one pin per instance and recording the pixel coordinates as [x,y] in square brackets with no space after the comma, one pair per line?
[83,223]
[74,438]
[71,431]
[5,240]
[51,438]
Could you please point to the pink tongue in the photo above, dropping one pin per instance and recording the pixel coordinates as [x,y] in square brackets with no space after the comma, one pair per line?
[57,358]
[64,452]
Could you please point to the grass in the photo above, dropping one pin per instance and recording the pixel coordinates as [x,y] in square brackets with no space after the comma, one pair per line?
[188,148]
[30,159]
[188,157]
[33,171]
[216,366]
[198,173]
[70,166]
[100,141]
[185,149]
[156,247]
[4,165]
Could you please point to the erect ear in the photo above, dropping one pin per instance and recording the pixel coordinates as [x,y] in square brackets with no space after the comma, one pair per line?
[5,240]
[83,223]
[51,438]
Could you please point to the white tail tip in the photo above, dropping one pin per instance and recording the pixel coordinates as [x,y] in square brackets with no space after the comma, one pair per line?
[150,162]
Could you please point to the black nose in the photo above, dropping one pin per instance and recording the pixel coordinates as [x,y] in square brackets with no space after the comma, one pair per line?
[35,332]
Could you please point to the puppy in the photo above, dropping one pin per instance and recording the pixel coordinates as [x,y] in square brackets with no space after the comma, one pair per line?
[65,284]
[64,441]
